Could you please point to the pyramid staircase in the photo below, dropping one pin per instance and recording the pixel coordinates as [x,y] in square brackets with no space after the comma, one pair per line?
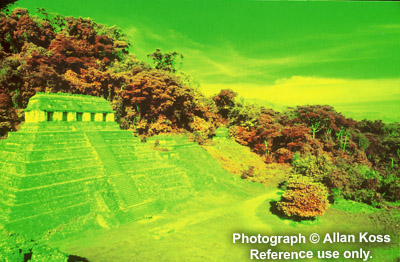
[156,183]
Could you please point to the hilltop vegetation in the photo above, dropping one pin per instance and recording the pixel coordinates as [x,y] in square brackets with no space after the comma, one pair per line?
[357,160]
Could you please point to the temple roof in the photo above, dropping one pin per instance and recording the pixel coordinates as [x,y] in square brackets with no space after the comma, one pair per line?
[68,103]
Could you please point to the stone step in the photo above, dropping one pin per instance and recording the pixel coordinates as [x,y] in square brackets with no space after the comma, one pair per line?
[127,190]
[63,176]
[141,211]
[7,154]
[50,191]
[60,153]
[54,204]
[43,222]
[59,165]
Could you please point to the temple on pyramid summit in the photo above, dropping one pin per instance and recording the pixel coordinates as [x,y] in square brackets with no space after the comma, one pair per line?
[71,166]
[65,107]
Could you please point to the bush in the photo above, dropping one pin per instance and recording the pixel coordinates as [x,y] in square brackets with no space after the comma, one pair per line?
[369,197]
[347,181]
[283,155]
[304,198]
[14,247]
[199,137]
[315,167]
[363,184]
[248,173]
[362,141]
[391,187]
[201,126]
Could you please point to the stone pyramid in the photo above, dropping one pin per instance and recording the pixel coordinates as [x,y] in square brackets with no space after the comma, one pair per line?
[71,162]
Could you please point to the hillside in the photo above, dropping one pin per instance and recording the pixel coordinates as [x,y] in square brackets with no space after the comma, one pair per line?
[240,161]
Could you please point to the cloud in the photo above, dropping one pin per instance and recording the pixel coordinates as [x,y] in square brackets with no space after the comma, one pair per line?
[394,27]
[301,90]
[227,64]
[253,69]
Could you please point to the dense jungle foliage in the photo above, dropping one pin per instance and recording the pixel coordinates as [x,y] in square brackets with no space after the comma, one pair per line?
[358,160]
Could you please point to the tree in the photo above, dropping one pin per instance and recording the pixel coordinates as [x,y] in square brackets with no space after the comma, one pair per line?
[225,101]
[167,61]
[343,138]
[93,82]
[8,116]
[320,118]
[161,96]
[315,127]
[53,53]
[5,4]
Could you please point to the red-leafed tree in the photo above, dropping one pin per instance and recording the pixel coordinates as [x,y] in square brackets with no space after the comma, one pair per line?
[225,101]
[8,116]
[155,93]
[321,119]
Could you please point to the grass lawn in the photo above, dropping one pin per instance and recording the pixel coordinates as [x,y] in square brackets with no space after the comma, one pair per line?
[201,230]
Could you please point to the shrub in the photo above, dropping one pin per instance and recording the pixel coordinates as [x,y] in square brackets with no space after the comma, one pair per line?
[369,197]
[283,155]
[372,179]
[202,126]
[362,141]
[316,167]
[304,198]
[345,180]
[15,247]
[391,187]
[199,137]
[363,184]
[248,173]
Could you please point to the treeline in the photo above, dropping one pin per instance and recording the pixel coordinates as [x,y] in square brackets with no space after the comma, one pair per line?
[51,53]
[357,160]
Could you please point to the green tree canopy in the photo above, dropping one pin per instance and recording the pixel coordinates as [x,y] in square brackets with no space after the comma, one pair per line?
[166,61]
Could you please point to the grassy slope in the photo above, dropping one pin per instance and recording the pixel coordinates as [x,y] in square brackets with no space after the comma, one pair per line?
[201,228]
[237,159]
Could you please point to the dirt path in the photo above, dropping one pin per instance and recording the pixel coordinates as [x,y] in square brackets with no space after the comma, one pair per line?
[245,211]
[248,210]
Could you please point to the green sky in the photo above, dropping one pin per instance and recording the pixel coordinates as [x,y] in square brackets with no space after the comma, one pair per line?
[284,52]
